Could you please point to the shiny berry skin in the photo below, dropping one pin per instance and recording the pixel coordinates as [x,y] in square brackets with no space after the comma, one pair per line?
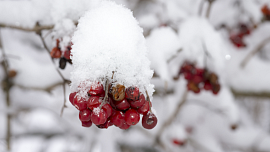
[56,52]
[80,104]
[132,93]
[71,97]
[144,109]
[132,117]
[98,116]
[93,102]
[108,109]
[106,125]
[117,92]
[96,89]
[85,115]
[149,121]
[122,105]
[118,119]
[87,123]
[207,85]
[111,102]
[124,126]
[138,103]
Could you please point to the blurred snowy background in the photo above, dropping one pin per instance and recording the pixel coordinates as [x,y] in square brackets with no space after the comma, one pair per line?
[204,32]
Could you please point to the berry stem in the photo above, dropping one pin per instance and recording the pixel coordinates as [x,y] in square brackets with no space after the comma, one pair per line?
[148,99]
[106,93]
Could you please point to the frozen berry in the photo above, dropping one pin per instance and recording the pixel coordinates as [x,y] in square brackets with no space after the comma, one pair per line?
[56,52]
[144,109]
[149,121]
[96,89]
[138,103]
[118,119]
[117,92]
[132,93]
[132,117]
[108,109]
[80,103]
[93,102]
[122,105]
[98,116]
[124,126]
[105,125]
[87,123]
[71,97]
[85,115]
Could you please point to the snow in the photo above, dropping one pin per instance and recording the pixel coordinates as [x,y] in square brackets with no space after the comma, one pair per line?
[108,39]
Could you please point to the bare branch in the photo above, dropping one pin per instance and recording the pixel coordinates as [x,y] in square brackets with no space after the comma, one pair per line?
[37,28]
[237,93]
[46,89]
[253,52]
[209,8]
[174,56]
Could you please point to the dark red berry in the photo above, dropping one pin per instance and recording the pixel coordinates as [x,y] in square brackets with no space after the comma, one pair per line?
[108,109]
[93,102]
[71,97]
[199,71]
[110,100]
[87,123]
[85,115]
[207,85]
[144,109]
[98,116]
[67,54]
[80,103]
[124,126]
[132,93]
[96,89]
[188,76]
[118,119]
[197,79]
[215,88]
[132,117]
[122,105]
[138,103]
[149,121]
[105,125]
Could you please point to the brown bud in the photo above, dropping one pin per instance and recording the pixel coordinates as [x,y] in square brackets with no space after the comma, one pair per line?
[12,73]
[117,92]
[213,78]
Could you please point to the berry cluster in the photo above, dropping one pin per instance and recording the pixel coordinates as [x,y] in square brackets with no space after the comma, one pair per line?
[199,78]
[237,37]
[64,56]
[266,12]
[114,105]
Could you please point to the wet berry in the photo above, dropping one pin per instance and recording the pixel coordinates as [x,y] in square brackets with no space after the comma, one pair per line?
[118,119]
[108,109]
[87,123]
[149,121]
[80,103]
[71,97]
[98,116]
[132,117]
[144,109]
[85,115]
[93,102]
[122,105]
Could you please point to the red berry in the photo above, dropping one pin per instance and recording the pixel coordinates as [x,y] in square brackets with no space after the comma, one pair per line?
[237,40]
[98,116]
[138,103]
[207,85]
[80,104]
[144,109]
[96,88]
[122,105]
[118,119]
[85,115]
[93,102]
[132,117]
[132,93]
[105,125]
[215,88]
[87,123]
[149,121]
[67,54]
[188,76]
[56,52]
[111,102]
[199,71]
[197,79]
[71,97]
[187,67]
[108,109]
[124,126]
[179,142]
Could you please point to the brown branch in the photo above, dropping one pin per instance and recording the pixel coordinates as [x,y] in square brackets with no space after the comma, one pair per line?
[209,8]
[46,89]
[237,93]
[37,28]
[170,119]
[175,55]
[253,52]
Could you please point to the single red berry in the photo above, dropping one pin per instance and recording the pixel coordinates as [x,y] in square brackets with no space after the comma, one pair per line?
[93,102]
[149,121]
[87,123]
[108,109]
[67,54]
[197,79]
[98,116]
[178,142]
[124,126]
[144,109]
[106,125]
[132,117]
[80,103]
[85,115]
[237,40]
[122,105]
[207,85]
[132,93]
[187,67]
[118,119]
[96,89]
[188,75]
[56,52]
[199,71]
[71,97]
[138,103]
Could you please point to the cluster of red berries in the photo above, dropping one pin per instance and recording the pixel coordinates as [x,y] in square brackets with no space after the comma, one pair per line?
[64,56]
[199,78]
[237,36]
[120,107]
[266,12]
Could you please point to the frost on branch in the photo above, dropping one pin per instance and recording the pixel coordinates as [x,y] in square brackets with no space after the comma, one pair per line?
[108,39]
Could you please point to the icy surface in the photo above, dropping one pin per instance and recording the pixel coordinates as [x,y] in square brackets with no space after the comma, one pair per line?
[108,39]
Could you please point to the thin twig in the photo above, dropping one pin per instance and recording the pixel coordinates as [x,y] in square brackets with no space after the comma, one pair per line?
[175,55]
[170,119]
[149,102]
[209,8]
[46,89]
[37,28]
[106,93]
[253,52]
